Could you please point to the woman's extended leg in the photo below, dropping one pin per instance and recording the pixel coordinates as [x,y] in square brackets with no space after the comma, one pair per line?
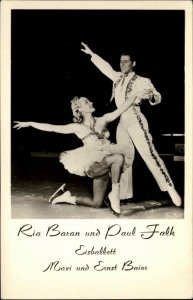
[100,186]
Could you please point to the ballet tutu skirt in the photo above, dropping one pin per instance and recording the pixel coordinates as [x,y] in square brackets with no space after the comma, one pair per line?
[78,161]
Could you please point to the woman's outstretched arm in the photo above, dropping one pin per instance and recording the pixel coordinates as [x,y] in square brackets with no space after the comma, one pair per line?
[65,129]
[109,117]
[116,113]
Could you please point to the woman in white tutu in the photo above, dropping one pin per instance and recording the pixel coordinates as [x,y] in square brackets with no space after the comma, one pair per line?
[97,158]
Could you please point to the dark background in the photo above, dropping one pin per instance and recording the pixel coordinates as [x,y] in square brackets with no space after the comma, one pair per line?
[48,70]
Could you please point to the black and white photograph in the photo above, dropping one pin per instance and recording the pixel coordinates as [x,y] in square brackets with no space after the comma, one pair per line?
[96,104]
[100,111]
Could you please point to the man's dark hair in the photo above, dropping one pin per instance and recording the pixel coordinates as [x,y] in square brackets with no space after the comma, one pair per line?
[130,54]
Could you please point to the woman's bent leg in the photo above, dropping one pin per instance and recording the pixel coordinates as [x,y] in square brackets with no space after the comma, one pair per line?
[111,163]
[100,186]
[116,167]
[99,172]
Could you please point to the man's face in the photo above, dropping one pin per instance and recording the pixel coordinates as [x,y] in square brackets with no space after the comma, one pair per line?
[126,65]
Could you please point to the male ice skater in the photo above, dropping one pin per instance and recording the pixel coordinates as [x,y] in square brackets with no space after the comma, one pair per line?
[132,129]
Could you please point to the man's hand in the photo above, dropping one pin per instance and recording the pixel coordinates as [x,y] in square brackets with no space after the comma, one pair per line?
[86,49]
[155,100]
[146,94]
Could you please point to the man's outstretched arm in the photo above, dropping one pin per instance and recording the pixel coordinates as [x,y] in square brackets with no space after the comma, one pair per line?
[100,63]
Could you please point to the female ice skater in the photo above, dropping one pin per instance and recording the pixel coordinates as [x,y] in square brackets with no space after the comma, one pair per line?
[98,158]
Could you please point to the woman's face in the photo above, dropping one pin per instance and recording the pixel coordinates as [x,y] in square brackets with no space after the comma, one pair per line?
[85,105]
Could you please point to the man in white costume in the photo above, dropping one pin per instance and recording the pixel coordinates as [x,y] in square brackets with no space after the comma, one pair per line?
[132,129]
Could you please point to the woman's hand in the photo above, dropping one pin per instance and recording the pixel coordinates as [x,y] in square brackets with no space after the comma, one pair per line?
[86,49]
[20,125]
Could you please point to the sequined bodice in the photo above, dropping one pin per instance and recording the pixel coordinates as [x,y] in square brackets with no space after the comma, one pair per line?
[94,136]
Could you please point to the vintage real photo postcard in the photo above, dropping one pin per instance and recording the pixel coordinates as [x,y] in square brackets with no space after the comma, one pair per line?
[96,149]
